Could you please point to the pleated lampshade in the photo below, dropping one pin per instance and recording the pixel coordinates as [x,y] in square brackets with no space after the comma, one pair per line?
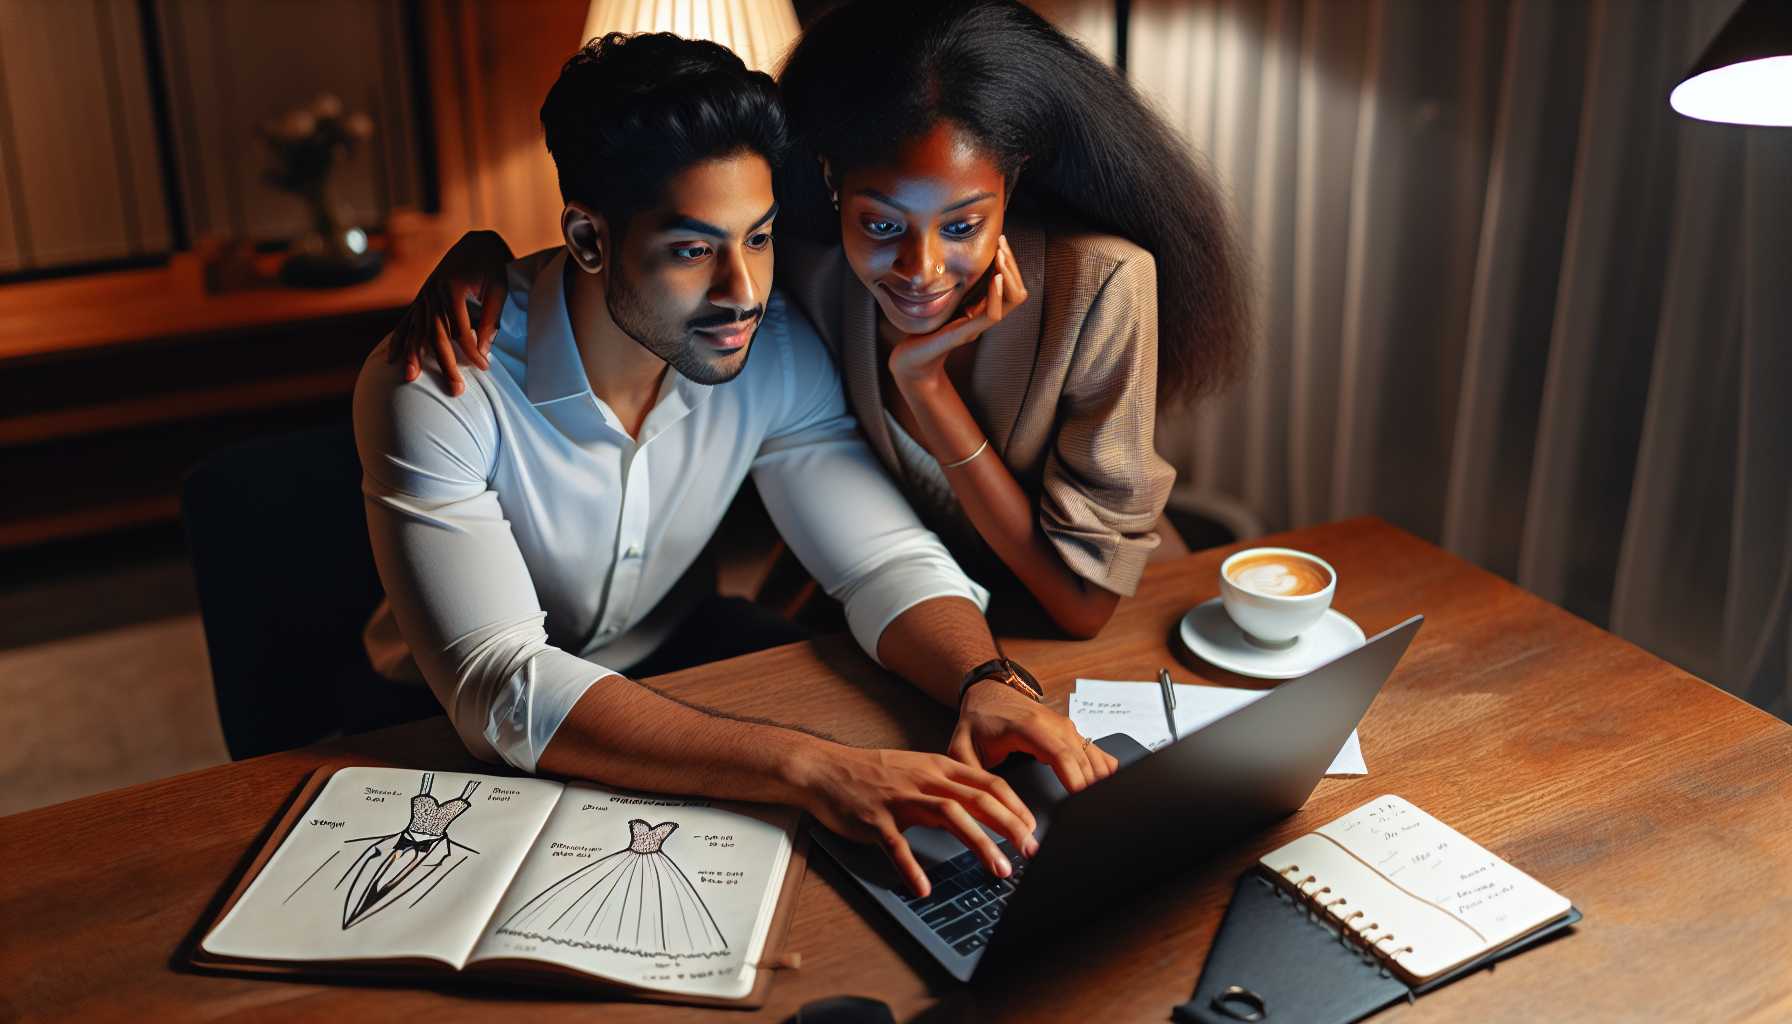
[758,31]
[1745,75]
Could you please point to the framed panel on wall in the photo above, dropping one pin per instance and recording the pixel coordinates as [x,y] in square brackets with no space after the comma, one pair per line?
[232,66]
[81,168]
[130,128]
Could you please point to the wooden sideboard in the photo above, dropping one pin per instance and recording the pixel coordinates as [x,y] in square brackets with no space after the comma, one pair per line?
[113,385]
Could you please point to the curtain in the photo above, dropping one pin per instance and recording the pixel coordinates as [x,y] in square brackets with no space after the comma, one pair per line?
[1095,25]
[1506,299]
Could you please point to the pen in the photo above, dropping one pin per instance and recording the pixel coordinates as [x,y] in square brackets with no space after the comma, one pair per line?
[1163,681]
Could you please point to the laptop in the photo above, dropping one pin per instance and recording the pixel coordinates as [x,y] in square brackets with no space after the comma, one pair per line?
[1159,814]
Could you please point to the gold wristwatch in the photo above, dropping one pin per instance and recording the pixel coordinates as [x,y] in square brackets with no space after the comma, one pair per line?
[1008,673]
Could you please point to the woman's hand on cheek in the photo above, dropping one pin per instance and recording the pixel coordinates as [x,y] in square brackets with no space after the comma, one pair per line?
[919,361]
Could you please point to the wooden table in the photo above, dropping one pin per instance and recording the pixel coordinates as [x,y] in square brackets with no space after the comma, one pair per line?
[1660,805]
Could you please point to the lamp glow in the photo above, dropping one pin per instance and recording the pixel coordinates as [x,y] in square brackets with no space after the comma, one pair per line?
[758,31]
[1745,75]
[1753,92]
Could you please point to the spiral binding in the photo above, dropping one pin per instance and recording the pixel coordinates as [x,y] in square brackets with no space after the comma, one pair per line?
[1369,946]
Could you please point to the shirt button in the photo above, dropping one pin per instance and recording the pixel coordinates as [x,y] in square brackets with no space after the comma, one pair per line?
[634,551]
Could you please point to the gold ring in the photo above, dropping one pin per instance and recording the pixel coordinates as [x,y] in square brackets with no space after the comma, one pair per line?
[1087,741]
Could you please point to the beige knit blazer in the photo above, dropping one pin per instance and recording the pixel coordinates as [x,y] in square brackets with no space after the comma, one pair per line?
[1065,388]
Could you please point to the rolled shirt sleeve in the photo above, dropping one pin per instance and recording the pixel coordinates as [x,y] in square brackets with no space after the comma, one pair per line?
[836,507]
[456,581]
[1104,485]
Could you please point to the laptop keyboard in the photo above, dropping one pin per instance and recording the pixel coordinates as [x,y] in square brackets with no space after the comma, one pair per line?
[967,901]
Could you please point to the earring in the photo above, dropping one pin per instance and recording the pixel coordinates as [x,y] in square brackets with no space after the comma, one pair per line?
[835,196]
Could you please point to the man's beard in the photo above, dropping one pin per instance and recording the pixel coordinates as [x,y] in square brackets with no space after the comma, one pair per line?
[673,343]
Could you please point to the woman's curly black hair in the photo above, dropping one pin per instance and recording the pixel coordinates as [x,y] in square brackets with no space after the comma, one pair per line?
[868,77]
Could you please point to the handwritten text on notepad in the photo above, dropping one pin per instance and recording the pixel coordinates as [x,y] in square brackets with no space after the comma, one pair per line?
[1099,707]
[1436,863]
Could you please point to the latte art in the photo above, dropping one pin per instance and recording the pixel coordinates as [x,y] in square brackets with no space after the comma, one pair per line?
[1279,575]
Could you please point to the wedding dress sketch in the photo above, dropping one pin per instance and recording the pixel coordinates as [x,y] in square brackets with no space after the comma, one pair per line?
[393,866]
[636,900]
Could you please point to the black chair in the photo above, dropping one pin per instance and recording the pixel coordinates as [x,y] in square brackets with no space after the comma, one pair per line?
[286,582]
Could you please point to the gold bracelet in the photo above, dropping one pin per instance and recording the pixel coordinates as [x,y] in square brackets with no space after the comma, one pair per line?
[967,458]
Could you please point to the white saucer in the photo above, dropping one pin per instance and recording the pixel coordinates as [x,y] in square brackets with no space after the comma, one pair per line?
[1214,638]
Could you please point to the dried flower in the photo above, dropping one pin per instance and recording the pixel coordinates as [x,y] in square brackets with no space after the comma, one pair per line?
[296,126]
[304,143]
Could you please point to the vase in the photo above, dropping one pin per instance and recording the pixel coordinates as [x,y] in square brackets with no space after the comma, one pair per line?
[334,251]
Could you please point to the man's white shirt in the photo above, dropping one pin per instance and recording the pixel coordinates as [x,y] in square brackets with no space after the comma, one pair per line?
[529,546]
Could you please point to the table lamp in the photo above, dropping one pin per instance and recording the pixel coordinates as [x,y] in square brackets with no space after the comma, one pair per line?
[758,31]
[1745,75]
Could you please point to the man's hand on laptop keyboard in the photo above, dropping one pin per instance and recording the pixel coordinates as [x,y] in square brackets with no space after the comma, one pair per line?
[872,795]
[995,721]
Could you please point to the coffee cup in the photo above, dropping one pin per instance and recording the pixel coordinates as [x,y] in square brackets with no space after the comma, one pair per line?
[1276,594]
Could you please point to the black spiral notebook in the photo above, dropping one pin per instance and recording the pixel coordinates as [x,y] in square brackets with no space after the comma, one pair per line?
[1384,904]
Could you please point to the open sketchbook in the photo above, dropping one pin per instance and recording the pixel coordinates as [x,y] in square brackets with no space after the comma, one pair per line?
[389,870]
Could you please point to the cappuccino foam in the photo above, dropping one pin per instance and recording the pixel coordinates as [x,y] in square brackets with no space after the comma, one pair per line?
[1279,575]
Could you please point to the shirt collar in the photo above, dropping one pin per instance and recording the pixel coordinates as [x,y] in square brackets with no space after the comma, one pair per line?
[554,371]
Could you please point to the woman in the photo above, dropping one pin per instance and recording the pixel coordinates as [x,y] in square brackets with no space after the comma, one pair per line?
[1015,260]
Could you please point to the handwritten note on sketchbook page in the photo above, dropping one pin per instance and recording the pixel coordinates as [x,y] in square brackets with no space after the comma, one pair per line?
[663,893]
[1415,891]
[1099,707]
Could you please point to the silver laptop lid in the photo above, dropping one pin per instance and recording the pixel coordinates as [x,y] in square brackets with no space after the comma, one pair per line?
[1213,786]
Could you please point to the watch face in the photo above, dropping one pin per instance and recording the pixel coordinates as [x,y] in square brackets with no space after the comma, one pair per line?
[1009,674]
[1026,678]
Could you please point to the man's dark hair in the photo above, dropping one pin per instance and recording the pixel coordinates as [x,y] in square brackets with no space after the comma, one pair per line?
[629,112]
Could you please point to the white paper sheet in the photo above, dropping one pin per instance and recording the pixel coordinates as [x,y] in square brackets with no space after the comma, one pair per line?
[1100,706]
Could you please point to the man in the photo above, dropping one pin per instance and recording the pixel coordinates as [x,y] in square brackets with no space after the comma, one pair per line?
[533,528]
